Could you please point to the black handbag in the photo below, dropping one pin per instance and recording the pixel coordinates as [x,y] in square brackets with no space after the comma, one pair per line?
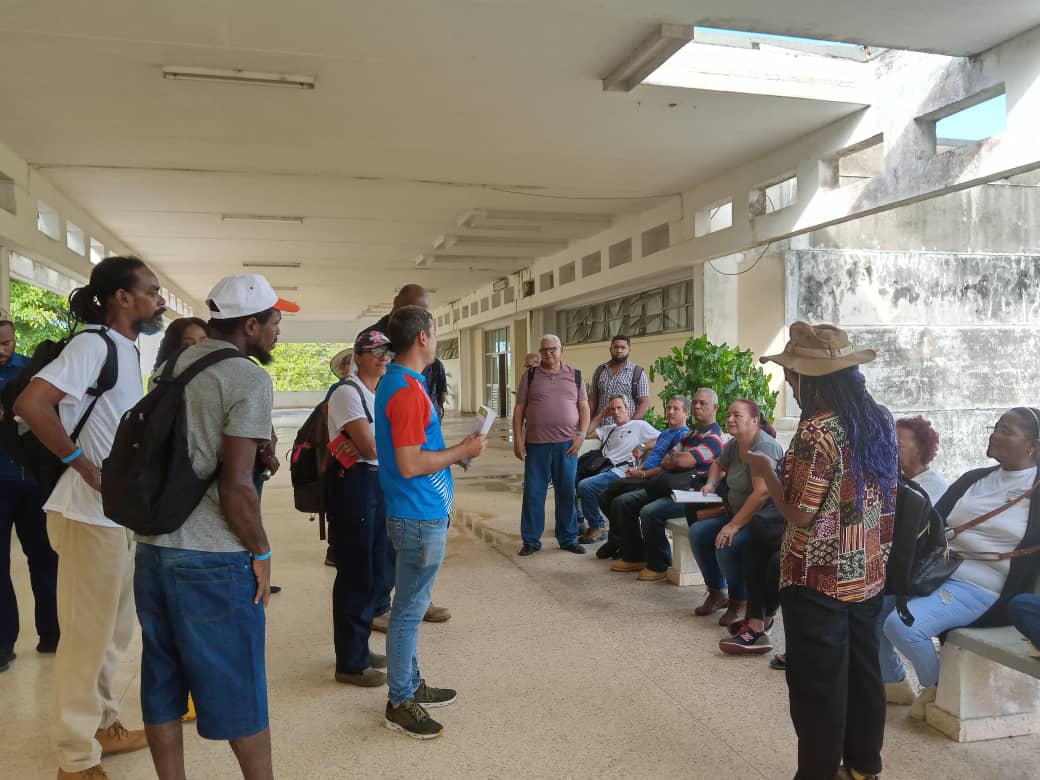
[661,485]
[594,462]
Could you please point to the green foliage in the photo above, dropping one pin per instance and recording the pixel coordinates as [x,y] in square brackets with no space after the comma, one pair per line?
[732,373]
[303,366]
[37,315]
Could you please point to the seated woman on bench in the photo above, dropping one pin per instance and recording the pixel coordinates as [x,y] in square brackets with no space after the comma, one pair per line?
[994,527]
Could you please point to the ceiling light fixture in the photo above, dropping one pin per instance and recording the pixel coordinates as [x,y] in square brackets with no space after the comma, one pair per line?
[259,218]
[238,76]
[647,57]
[271,265]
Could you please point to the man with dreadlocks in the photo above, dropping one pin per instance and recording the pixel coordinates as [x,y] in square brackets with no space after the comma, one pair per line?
[838,498]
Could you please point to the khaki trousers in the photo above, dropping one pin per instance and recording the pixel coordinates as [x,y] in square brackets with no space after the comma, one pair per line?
[96,615]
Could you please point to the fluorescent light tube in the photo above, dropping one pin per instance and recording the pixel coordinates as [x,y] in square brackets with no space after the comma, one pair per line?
[259,218]
[239,76]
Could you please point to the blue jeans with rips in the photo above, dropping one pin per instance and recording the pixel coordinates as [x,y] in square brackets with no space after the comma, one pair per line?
[952,605]
[419,545]
[542,462]
[589,490]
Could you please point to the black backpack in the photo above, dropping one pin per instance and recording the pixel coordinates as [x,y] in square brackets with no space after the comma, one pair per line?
[309,460]
[531,374]
[147,482]
[16,438]
[919,560]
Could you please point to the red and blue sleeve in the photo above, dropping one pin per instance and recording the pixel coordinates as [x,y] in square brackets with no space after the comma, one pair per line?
[409,413]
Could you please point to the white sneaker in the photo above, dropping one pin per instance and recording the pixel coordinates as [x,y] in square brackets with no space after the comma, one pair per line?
[901,692]
[924,698]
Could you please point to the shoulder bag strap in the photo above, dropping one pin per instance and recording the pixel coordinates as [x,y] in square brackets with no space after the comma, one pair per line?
[205,362]
[990,515]
[361,395]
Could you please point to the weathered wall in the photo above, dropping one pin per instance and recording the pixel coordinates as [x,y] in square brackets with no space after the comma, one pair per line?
[957,334]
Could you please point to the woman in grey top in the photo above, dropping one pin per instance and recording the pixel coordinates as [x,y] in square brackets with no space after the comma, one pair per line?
[718,542]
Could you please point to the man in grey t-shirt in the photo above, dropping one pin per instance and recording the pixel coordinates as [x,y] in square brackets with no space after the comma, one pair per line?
[202,589]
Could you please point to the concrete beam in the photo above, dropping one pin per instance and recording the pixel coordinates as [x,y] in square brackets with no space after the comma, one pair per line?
[914,90]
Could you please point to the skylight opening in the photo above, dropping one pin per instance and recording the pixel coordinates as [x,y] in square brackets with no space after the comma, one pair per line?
[970,125]
[780,39]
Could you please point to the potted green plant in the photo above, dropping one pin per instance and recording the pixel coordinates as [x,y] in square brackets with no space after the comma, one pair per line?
[731,372]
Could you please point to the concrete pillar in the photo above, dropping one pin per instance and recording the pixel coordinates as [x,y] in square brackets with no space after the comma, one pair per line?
[979,699]
[5,280]
[720,300]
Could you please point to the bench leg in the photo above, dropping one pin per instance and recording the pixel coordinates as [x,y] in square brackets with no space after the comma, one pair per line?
[683,571]
[979,699]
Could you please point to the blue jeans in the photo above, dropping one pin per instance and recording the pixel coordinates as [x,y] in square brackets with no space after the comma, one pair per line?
[932,615]
[589,489]
[653,518]
[722,567]
[1024,611]
[201,634]
[420,551]
[542,462]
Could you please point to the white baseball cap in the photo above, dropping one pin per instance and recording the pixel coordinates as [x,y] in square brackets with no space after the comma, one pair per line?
[243,295]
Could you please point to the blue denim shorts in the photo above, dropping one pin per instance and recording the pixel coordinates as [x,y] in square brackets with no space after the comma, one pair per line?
[202,635]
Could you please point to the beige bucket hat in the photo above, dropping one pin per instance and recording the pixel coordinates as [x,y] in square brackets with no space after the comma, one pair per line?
[336,364]
[818,350]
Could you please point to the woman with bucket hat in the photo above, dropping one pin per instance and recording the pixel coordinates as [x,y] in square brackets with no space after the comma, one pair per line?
[838,499]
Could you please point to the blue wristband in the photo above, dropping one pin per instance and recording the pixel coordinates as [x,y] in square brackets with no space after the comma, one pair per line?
[75,454]
[263,557]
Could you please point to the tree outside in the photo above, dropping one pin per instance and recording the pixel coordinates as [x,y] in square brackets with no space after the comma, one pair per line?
[299,367]
[37,315]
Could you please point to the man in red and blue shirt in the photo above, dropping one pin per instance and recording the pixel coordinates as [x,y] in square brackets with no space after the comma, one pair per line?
[414,473]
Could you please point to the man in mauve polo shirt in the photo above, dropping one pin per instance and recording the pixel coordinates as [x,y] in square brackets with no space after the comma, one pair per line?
[549,423]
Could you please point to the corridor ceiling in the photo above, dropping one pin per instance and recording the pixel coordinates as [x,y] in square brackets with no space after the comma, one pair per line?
[422,112]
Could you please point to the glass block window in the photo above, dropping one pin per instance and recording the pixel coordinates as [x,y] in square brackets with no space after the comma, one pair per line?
[659,310]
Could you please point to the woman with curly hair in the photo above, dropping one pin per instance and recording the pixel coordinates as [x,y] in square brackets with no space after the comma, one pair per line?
[918,443]
[838,500]
[181,333]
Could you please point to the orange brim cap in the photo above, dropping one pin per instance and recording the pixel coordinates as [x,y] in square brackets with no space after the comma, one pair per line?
[283,305]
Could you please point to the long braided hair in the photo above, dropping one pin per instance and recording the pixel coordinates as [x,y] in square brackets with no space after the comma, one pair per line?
[870,428]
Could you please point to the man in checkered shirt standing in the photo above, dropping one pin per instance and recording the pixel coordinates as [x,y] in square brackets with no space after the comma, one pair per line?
[618,376]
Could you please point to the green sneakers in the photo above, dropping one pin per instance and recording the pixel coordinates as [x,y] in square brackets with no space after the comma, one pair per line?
[433,697]
[410,718]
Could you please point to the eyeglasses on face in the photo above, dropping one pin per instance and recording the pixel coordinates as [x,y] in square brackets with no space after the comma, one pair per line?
[379,352]
[1004,429]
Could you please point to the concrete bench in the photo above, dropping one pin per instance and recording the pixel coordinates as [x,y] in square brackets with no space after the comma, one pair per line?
[683,571]
[989,687]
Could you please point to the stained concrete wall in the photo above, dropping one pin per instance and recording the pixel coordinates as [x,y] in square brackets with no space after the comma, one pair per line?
[948,293]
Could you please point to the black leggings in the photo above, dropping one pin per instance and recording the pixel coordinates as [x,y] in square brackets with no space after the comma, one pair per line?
[762,577]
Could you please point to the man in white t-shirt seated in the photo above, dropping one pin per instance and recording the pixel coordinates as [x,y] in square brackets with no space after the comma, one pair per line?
[357,514]
[623,443]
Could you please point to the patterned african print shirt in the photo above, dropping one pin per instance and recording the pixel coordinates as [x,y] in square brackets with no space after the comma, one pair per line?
[843,553]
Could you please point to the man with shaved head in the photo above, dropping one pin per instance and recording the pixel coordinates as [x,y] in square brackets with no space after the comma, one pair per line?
[437,389]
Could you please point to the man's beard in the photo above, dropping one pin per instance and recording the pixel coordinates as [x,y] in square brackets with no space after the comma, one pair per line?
[263,357]
[616,360]
[152,325]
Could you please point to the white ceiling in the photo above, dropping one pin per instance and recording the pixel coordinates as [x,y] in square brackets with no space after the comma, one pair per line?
[422,112]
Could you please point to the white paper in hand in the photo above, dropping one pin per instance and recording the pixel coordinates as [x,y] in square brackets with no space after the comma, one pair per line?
[695,497]
[482,424]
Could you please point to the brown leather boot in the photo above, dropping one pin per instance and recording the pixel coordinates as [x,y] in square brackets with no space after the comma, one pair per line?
[737,610]
[117,739]
[715,600]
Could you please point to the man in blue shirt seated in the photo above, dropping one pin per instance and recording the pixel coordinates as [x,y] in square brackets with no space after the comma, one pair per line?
[676,413]
[21,508]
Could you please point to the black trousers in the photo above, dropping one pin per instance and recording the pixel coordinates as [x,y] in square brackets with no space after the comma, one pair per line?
[606,500]
[357,514]
[762,577]
[834,682]
[21,508]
